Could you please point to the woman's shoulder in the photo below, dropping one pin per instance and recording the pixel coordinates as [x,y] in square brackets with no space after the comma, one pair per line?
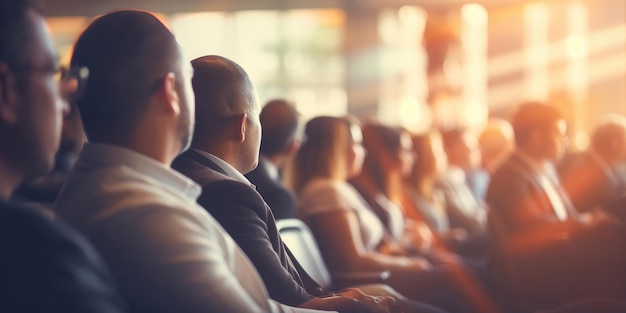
[325,195]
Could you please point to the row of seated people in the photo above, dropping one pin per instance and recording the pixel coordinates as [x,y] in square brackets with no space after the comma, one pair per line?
[143,243]
[402,192]
[170,243]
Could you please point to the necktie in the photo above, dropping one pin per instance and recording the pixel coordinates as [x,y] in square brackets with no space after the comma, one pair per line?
[556,201]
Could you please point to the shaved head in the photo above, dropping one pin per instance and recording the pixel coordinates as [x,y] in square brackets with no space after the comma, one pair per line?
[127,53]
[222,89]
[224,95]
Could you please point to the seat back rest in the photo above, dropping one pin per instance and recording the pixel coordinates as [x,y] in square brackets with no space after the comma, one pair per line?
[298,238]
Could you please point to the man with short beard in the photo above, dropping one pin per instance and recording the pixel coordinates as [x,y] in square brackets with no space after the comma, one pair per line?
[166,252]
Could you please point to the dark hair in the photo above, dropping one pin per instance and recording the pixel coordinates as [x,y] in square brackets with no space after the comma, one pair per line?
[610,129]
[15,29]
[324,153]
[279,120]
[533,116]
[127,52]
[382,143]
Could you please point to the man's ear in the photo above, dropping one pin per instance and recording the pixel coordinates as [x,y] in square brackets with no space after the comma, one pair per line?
[8,95]
[169,93]
[239,126]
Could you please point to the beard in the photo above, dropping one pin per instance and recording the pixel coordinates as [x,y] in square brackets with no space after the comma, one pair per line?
[185,124]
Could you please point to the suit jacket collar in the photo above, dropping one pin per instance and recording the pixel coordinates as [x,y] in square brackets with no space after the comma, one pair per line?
[213,162]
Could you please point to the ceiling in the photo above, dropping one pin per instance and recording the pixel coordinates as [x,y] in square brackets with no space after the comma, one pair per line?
[95,7]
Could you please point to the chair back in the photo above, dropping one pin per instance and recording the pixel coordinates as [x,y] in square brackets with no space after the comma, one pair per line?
[299,239]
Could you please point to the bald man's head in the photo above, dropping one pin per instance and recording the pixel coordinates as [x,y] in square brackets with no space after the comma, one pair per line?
[225,95]
[127,52]
[497,142]
[608,138]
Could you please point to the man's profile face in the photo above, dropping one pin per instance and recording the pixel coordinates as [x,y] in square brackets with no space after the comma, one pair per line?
[555,140]
[253,130]
[187,105]
[41,108]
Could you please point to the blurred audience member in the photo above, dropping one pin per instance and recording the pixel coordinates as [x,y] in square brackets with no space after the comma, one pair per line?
[44,265]
[496,143]
[464,209]
[44,189]
[545,251]
[279,143]
[389,160]
[351,236]
[429,202]
[591,178]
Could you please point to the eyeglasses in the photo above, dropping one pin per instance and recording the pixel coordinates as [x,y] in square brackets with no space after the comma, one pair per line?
[77,73]
[62,75]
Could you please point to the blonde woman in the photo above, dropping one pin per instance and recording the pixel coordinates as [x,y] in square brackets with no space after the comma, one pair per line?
[424,201]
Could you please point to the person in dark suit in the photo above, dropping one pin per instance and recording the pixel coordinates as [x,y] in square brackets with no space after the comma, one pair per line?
[556,253]
[225,145]
[279,143]
[45,266]
[591,177]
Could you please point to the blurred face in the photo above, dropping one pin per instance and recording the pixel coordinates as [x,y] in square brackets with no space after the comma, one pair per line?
[440,158]
[471,150]
[253,133]
[554,140]
[356,152]
[187,105]
[407,156]
[40,108]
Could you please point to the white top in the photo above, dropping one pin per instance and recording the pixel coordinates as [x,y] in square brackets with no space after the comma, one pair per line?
[325,195]
[166,252]
[395,216]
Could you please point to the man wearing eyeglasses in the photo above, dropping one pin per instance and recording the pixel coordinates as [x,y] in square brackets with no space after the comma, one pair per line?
[44,265]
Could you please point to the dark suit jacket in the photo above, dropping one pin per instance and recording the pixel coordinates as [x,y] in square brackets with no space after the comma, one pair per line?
[591,184]
[47,267]
[517,198]
[553,253]
[247,218]
[280,199]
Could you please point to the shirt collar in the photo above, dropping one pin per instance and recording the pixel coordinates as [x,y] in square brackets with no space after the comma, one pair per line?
[455,173]
[227,168]
[106,155]
[542,167]
[545,168]
[271,169]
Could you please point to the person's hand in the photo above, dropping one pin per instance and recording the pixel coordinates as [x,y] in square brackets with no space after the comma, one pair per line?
[457,234]
[419,264]
[352,300]
[374,304]
[598,217]
[392,248]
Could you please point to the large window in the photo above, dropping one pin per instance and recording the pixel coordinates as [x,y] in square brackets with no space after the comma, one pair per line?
[295,54]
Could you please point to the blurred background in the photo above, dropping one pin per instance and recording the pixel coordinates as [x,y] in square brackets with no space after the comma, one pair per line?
[420,64]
